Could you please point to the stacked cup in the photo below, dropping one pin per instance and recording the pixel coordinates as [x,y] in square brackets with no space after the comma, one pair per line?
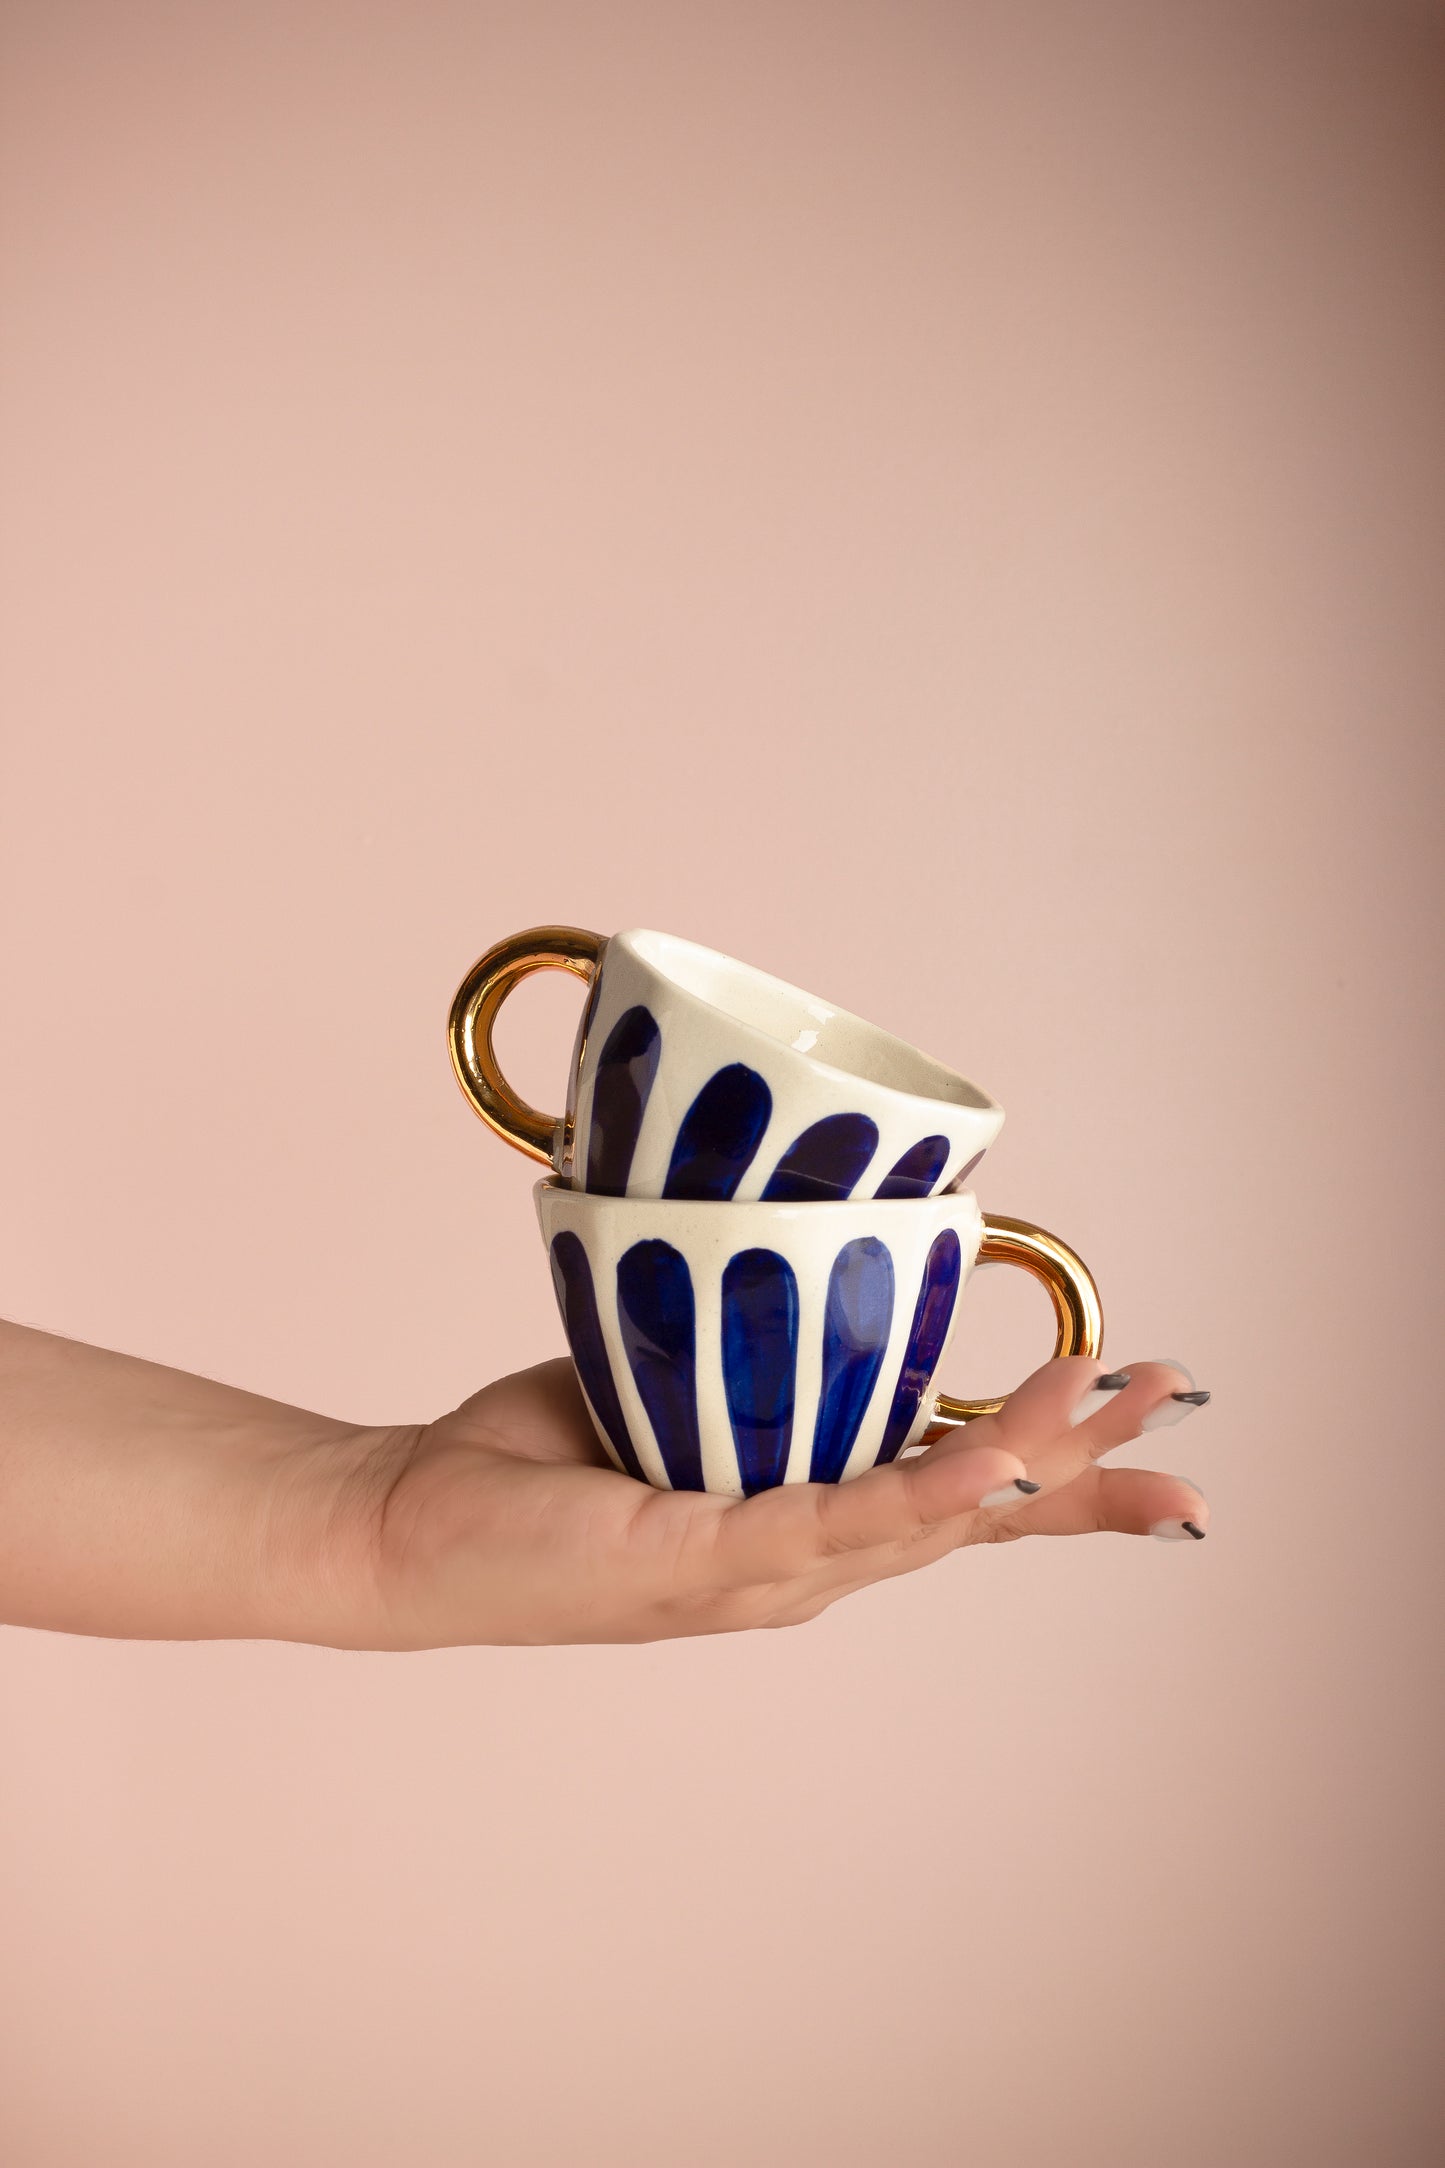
[757,1220]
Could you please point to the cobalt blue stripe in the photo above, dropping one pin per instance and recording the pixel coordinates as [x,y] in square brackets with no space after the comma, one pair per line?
[825,1162]
[577,1300]
[931,1320]
[855,1333]
[916,1172]
[659,1331]
[719,1135]
[625,1070]
[760,1361]
[960,1180]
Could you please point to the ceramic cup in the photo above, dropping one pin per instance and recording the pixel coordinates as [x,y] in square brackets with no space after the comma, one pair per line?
[698,1077]
[731,1347]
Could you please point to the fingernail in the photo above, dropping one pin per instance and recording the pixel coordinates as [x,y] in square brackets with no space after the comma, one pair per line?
[1172,1362]
[1100,1393]
[1173,1410]
[1178,1531]
[1011,1493]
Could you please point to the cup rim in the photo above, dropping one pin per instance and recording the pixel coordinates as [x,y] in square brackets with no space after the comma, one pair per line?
[553,1185]
[651,948]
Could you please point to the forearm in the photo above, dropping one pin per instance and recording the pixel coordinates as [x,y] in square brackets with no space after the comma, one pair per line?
[141,1502]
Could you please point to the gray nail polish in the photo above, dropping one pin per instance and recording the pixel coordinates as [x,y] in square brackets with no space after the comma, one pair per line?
[1011,1494]
[1177,1532]
[1100,1393]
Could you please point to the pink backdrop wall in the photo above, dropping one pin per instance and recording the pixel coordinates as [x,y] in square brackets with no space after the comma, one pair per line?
[945,502]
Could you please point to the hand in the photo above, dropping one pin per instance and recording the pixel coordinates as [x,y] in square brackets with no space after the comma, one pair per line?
[505,1522]
[146,1503]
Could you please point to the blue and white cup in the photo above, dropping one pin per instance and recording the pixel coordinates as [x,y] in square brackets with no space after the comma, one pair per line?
[731,1347]
[696,1078]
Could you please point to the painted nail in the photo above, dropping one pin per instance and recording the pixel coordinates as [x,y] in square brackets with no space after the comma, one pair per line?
[1173,1410]
[1011,1493]
[1172,1362]
[1178,1531]
[1100,1393]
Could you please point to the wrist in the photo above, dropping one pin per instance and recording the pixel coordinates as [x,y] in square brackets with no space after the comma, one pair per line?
[310,1567]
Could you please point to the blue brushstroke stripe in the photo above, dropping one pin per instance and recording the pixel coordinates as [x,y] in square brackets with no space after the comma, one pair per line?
[824,1163]
[720,1132]
[760,1361]
[931,1319]
[916,1172]
[577,1301]
[625,1071]
[659,1331]
[856,1323]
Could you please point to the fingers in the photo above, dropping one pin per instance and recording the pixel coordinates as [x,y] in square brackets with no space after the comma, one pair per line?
[1056,1424]
[1107,1501]
[1104,1407]
[1120,1404]
[1120,1502]
[1029,1469]
[789,1532]
[1100,1409]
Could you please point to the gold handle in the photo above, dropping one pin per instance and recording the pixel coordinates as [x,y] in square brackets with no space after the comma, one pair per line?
[1070,1283]
[474,1012]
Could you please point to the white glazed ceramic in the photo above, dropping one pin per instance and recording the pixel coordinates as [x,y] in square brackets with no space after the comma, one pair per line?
[697,1077]
[728,1347]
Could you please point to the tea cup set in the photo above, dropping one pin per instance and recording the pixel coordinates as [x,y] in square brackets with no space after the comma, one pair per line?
[757,1215]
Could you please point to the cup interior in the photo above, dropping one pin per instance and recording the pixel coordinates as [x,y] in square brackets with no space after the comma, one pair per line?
[800,1021]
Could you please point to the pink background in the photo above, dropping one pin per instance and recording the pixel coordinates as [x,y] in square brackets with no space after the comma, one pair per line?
[943,501]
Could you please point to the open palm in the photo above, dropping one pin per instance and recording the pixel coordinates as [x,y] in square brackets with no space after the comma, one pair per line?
[505,1522]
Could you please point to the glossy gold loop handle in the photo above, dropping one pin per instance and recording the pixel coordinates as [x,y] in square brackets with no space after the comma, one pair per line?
[1070,1283]
[474,1012]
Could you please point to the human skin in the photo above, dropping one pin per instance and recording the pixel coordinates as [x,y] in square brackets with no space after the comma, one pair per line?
[140,1502]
